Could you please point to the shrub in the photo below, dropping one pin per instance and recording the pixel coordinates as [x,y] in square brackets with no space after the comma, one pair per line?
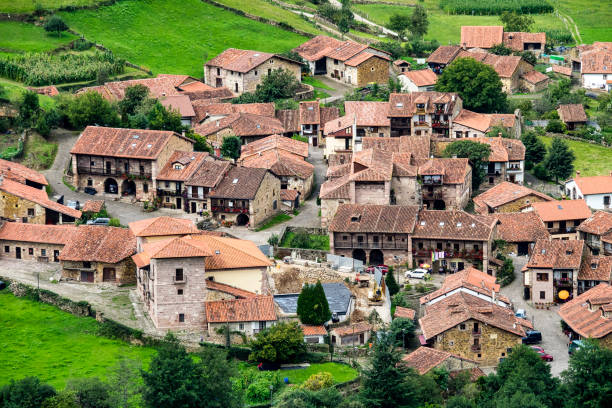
[28,392]
[312,305]
[273,240]
[318,381]
[281,343]
[539,171]
[55,24]
[556,126]
[114,222]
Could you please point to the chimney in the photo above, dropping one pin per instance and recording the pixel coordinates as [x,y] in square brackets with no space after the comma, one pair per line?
[217,123]
[499,134]
[454,156]
[578,173]
[183,133]
[453,98]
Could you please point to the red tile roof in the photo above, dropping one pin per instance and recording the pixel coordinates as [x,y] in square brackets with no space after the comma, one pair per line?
[520,227]
[453,224]
[310,113]
[374,218]
[288,195]
[597,61]
[596,268]
[504,65]
[424,359]
[328,113]
[417,146]
[470,278]
[38,233]
[459,307]
[20,173]
[594,184]
[368,113]
[99,244]
[119,142]
[517,40]
[232,290]
[290,119]
[258,308]
[335,188]
[189,163]
[359,327]
[404,312]
[599,223]
[180,103]
[243,124]
[209,174]
[562,210]
[572,113]
[162,85]
[37,196]
[341,123]
[50,90]
[93,206]
[534,77]
[404,104]
[504,193]
[361,58]
[422,77]
[237,60]
[454,171]
[503,149]
[161,226]
[584,314]
[444,54]
[481,36]
[313,330]
[275,142]
[556,253]
[562,70]
[205,108]
[240,183]
[280,163]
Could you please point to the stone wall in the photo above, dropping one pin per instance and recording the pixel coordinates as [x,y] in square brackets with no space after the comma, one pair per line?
[516,205]
[267,197]
[308,254]
[37,250]
[373,70]
[329,208]
[18,209]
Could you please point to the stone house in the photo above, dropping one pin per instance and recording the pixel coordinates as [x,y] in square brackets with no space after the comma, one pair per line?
[345,61]
[246,196]
[371,118]
[589,315]
[593,271]
[22,174]
[472,124]
[423,113]
[124,162]
[181,104]
[418,81]
[534,81]
[561,217]
[42,243]
[211,110]
[314,334]
[472,328]
[248,316]
[596,232]
[310,121]
[573,115]
[179,168]
[400,66]
[520,231]
[242,70]
[23,203]
[441,57]
[470,281]
[595,190]
[287,161]
[248,127]
[507,197]
[205,179]
[425,359]
[487,36]
[341,136]
[553,267]
[99,254]
[355,334]
[160,228]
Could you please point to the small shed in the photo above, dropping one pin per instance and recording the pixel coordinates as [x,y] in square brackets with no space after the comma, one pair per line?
[572,115]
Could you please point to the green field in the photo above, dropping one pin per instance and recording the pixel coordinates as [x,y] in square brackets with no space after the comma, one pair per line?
[28,6]
[445,28]
[594,19]
[13,91]
[43,341]
[591,159]
[175,37]
[340,372]
[16,36]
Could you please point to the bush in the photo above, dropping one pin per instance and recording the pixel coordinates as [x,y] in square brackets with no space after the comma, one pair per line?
[273,240]
[114,222]
[281,343]
[318,381]
[28,392]
[556,126]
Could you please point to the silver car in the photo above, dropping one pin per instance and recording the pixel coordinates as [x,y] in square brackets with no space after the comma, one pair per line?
[417,273]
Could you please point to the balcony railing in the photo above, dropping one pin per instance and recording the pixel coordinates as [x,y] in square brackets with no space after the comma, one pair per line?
[371,245]
[477,333]
[172,193]
[450,253]
[182,279]
[415,123]
[439,124]
[476,347]
[229,209]
[433,195]
[113,173]
[563,282]
[566,230]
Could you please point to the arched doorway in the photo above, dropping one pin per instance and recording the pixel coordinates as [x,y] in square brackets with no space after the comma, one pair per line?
[376,257]
[128,187]
[242,219]
[110,186]
[439,205]
[359,254]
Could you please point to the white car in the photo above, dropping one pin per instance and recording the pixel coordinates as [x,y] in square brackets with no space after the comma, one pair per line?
[417,273]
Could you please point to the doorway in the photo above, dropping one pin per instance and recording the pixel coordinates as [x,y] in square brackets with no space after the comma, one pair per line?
[87,276]
[56,255]
[110,186]
[242,219]
[179,203]
[360,255]
[128,187]
[376,257]
[194,207]
[17,252]
[108,275]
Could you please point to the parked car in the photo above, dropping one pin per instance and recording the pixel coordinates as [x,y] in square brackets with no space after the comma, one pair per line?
[544,356]
[538,348]
[383,269]
[417,273]
[112,188]
[574,346]
[90,191]
[521,313]
[99,221]
[532,337]
[73,204]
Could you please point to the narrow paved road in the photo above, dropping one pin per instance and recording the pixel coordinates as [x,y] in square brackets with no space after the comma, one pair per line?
[364,20]
[338,89]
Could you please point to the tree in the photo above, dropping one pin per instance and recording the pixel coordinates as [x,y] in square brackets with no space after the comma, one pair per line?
[90,108]
[478,85]
[273,240]
[419,22]
[500,49]
[560,160]
[55,24]
[64,399]
[392,286]
[279,84]
[133,99]
[162,118]
[346,17]
[231,147]
[174,379]
[589,376]
[400,23]
[90,392]
[281,343]
[392,47]
[297,397]
[28,392]
[28,108]
[528,56]
[516,22]
[312,305]
[124,385]
[498,130]
[403,331]
[383,384]
[535,150]
[477,153]
[216,388]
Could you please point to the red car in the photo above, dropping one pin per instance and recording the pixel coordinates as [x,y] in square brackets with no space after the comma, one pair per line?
[383,268]
[544,356]
[538,349]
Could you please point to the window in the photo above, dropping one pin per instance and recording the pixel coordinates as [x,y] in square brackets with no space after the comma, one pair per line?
[89,182]
[43,252]
[218,71]
[145,188]
[241,325]
[456,247]
[262,325]
[372,69]
[30,251]
[606,200]
[420,245]
[30,212]
[542,294]
[269,71]
[542,277]
[274,204]
[7,249]
[550,224]
[480,356]
[179,292]
[462,326]
[255,72]
[439,245]
[167,199]
[86,264]
[360,238]
[451,343]
[335,62]
[345,237]
[167,184]
[476,247]
[181,318]
[503,354]
[179,274]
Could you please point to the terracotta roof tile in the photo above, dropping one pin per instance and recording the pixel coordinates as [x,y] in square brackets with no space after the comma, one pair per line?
[338,187]
[572,113]
[562,210]
[454,171]
[422,77]
[280,163]
[50,90]
[404,104]
[239,60]
[341,123]
[596,268]
[504,193]
[556,253]
[362,57]
[93,206]
[310,113]
[258,308]
[481,36]
[288,195]
[453,224]
[470,278]
[368,113]
[240,183]
[504,65]
[597,61]
[502,149]
[417,146]
[180,103]
[404,312]
[161,226]
[588,322]
[217,93]
[567,71]
[599,223]
[243,124]
[374,218]
[459,307]
[162,85]
[37,196]
[178,247]
[205,108]
[359,327]
[231,253]
[189,163]
[313,330]
[517,40]
[534,77]
[424,359]
[39,233]
[444,54]
[401,63]
[209,174]
[19,172]
[275,142]
[328,113]
[594,184]
[232,290]
[195,86]
[520,227]
[290,119]
[99,244]
[119,142]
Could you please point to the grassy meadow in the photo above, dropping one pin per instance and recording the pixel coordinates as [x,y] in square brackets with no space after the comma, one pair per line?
[175,37]
[23,37]
[28,6]
[591,159]
[41,340]
[593,18]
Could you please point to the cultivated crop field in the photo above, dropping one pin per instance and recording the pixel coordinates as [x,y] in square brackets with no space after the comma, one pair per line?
[175,37]
[41,340]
